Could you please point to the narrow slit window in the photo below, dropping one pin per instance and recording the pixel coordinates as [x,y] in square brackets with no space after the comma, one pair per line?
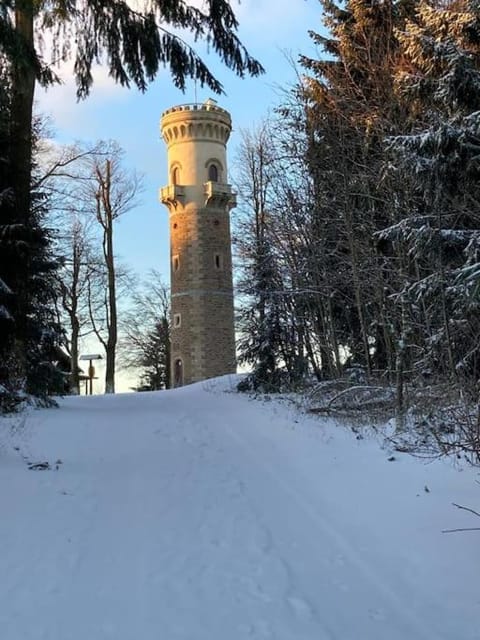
[213,173]
[176,175]
[178,373]
[176,263]
[177,320]
[218,261]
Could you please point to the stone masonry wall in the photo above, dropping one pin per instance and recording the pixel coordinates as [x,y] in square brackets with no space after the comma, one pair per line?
[203,334]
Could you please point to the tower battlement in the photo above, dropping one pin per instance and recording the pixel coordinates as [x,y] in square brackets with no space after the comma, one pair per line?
[208,105]
[196,121]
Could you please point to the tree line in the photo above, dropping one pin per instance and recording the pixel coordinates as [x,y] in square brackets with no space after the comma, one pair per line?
[359,231]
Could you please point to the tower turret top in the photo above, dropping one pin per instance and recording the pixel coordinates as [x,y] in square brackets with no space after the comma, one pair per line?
[208,105]
[196,121]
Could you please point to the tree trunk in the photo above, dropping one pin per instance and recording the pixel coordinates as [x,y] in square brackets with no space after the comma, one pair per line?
[74,377]
[74,321]
[112,313]
[23,88]
[112,300]
[333,337]
[357,291]
[168,366]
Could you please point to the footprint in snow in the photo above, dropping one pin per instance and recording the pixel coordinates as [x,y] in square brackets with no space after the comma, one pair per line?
[341,586]
[376,614]
[301,607]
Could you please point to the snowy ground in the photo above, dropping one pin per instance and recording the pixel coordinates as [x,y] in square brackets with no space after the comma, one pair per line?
[197,514]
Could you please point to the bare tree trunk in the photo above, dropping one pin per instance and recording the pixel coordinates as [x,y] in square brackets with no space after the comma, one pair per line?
[400,373]
[168,372]
[311,357]
[357,289]
[112,309]
[443,297]
[333,337]
[74,377]
[325,351]
[107,221]
[74,321]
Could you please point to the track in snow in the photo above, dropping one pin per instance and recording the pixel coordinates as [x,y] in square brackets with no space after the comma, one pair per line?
[185,515]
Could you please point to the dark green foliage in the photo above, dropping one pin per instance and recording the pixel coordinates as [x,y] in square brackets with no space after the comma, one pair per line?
[14,47]
[155,360]
[133,43]
[137,44]
[38,332]
[145,335]
[379,266]
[28,340]
[441,232]
[8,234]
[261,322]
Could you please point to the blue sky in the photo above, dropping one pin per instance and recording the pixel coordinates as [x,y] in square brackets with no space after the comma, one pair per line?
[272,30]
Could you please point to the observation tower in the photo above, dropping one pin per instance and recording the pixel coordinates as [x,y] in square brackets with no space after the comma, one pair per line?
[199,200]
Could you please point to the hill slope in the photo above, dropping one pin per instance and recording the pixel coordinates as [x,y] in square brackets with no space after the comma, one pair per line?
[197,514]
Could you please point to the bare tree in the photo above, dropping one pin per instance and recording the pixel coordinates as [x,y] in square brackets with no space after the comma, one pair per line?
[63,178]
[145,341]
[72,279]
[90,184]
[115,194]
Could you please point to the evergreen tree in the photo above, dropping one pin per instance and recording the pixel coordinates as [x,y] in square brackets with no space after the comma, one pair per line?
[145,335]
[265,318]
[439,159]
[32,323]
[351,105]
[7,325]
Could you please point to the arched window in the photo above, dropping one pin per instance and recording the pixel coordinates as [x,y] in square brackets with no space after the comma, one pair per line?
[178,373]
[175,175]
[213,173]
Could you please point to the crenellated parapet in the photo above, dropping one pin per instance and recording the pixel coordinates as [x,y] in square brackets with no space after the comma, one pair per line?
[196,122]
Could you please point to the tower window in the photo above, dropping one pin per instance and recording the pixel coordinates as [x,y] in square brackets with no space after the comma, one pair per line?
[178,373]
[175,175]
[218,259]
[213,173]
[176,263]
[177,320]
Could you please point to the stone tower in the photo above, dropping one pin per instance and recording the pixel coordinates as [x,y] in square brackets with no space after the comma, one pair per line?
[199,200]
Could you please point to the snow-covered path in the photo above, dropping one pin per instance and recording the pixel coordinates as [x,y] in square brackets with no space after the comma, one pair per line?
[201,515]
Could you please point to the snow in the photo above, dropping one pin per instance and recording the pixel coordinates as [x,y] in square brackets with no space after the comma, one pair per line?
[202,514]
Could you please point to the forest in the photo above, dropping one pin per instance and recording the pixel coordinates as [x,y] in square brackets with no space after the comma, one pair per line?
[357,240]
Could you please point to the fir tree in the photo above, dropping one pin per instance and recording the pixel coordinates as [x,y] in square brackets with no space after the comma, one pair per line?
[351,105]
[30,336]
[145,335]
[439,159]
[7,324]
